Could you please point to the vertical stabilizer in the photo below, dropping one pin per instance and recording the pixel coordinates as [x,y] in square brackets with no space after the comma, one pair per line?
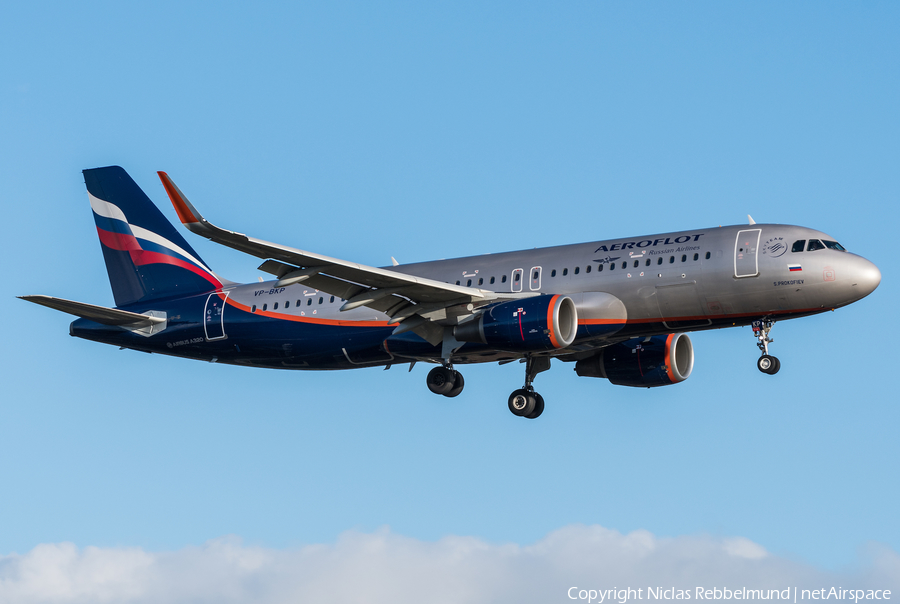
[146,258]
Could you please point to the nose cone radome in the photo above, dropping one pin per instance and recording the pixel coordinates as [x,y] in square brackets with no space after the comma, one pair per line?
[867,277]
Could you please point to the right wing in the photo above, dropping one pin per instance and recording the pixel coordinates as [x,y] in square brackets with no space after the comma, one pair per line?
[396,294]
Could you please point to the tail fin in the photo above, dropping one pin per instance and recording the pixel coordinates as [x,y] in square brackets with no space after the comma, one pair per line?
[146,258]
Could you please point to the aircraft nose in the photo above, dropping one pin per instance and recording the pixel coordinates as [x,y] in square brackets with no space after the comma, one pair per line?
[868,277]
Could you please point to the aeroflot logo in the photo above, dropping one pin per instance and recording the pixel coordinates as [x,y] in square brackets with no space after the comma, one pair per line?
[648,243]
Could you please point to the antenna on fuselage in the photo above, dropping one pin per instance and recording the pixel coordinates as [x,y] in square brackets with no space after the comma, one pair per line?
[751,219]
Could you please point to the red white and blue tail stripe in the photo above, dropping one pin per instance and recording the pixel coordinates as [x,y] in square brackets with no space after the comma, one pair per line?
[145,256]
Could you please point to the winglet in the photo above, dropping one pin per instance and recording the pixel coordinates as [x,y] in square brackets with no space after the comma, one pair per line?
[186,212]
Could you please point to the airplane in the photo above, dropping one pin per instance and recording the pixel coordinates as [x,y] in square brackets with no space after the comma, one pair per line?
[616,309]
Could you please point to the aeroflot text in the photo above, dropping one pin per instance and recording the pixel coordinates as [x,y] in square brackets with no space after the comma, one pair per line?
[621,596]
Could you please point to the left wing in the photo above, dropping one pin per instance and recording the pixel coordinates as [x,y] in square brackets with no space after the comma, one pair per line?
[398,295]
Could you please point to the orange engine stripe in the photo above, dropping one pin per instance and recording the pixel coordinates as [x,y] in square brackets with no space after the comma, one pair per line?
[550,329]
[669,357]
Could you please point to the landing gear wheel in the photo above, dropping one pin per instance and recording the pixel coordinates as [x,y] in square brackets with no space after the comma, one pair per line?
[522,402]
[458,385]
[768,364]
[538,406]
[441,380]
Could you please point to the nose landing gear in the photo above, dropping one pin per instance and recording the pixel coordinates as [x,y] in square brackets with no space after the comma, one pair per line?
[766,363]
[445,380]
[525,402]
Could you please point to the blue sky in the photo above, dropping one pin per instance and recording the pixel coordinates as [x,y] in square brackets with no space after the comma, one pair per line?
[436,130]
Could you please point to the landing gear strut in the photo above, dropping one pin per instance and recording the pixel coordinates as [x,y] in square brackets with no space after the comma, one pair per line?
[766,363]
[445,380]
[525,402]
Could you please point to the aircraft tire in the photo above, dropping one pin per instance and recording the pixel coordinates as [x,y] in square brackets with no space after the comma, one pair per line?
[441,380]
[458,385]
[768,364]
[522,402]
[538,406]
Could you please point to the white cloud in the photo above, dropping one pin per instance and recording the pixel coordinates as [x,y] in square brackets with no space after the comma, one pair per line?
[386,567]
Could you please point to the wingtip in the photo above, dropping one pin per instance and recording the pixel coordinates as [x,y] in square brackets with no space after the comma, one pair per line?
[186,212]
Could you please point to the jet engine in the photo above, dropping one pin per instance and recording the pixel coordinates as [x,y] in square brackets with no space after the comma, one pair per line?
[527,325]
[642,362]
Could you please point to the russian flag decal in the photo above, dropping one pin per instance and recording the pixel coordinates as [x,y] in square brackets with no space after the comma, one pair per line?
[794,267]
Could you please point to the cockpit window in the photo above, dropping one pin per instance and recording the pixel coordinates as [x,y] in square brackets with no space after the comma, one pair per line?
[814,244]
[798,245]
[834,245]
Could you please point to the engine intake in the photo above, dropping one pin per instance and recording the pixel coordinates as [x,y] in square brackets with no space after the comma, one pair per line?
[642,362]
[527,325]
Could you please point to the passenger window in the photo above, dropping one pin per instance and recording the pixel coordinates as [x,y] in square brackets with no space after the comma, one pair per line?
[469,283]
[265,306]
[503,279]
[624,265]
[814,244]
[309,301]
[798,245]
[457,282]
[696,257]
[480,280]
[287,304]
[332,300]
[647,263]
[275,307]
[671,259]
[587,269]
[565,272]
[321,300]
[659,260]
[253,308]
[599,268]
[553,273]
[518,276]
[684,257]
[577,269]
[636,263]
[707,255]
[492,280]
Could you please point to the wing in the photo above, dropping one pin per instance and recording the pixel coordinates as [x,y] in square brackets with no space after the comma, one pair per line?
[396,294]
[100,314]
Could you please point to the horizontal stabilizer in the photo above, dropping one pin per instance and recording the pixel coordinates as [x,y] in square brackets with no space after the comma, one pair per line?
[98,314]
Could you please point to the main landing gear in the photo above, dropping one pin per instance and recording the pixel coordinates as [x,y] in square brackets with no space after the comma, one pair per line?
[525,402]
[766,363]
[445,380]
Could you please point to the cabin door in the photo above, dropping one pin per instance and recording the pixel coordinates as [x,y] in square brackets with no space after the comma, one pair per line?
[214,317]
[746,246]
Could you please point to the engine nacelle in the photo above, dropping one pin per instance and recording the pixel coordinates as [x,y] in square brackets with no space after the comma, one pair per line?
[642,362]
[527,325]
